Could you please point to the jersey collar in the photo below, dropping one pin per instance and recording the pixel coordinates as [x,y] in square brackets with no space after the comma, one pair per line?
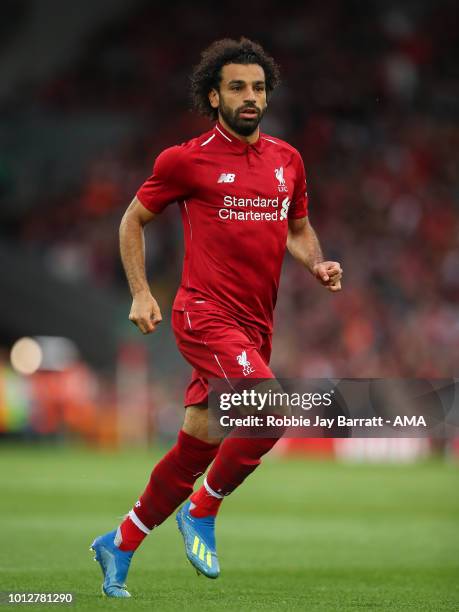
[234,143]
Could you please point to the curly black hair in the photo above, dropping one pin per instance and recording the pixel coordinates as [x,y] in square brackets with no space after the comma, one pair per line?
[207,74]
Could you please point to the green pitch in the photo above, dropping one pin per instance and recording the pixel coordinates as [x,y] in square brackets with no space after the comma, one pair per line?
[297,536]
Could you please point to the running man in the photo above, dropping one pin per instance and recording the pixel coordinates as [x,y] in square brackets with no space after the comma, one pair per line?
[242,197]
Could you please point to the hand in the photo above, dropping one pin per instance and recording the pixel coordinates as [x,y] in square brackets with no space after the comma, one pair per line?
[145,312]
[329,273]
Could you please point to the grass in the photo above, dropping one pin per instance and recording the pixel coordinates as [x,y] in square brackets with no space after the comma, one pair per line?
[316,536]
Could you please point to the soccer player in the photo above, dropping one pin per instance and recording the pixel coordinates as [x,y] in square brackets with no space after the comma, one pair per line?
[242,197]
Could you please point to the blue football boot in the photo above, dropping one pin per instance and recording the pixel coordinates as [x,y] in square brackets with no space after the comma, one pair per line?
[199,537]
[114,563]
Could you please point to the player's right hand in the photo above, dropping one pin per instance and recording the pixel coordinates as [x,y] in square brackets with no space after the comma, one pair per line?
[145,312]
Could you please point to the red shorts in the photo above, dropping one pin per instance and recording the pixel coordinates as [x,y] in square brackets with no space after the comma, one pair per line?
[217,346]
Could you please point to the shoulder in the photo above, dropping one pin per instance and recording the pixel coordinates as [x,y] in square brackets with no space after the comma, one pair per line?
[182,154]
[288,154]
[282,146]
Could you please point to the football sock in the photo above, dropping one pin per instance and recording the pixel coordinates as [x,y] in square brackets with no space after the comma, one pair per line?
[235,460]
[205,501]
[171,482]
[131,533]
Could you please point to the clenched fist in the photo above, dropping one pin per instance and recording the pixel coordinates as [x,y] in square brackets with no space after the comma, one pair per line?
[145,312]
[329,273]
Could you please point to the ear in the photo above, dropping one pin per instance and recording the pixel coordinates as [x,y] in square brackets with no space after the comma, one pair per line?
[214,98]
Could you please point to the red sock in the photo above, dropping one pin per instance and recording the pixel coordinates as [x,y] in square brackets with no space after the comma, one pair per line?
[171,482]
[129,535]
[235,460]
[205,502]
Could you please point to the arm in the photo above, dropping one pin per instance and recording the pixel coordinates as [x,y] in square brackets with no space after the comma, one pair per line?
[304,246]
[145,312]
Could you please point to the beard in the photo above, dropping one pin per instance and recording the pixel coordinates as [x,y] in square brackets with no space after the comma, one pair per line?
[241,125]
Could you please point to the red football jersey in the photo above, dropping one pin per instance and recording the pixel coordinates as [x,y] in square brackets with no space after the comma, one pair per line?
[235,200]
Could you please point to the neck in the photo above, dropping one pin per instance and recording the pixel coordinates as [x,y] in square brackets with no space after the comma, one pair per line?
[250,139]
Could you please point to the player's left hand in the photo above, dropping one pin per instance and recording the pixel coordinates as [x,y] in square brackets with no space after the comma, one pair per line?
[329,273]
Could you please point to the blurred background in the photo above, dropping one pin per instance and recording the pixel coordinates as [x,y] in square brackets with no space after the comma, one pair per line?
[91,92]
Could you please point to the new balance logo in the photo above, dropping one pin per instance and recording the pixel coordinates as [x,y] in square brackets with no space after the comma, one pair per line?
[226,178]
[245,363]
[284,211]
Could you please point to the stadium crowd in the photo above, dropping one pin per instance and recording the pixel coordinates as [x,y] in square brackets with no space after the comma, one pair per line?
[368,97]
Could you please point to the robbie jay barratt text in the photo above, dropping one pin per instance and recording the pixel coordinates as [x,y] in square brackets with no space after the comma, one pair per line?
[328,423]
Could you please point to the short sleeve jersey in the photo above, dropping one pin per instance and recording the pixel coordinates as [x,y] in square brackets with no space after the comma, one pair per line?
[235,200]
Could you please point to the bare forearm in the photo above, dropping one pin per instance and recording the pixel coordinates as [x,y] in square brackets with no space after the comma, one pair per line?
[132,249]
[304,246]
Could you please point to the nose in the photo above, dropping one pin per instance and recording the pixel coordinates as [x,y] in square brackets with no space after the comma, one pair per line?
[250,95]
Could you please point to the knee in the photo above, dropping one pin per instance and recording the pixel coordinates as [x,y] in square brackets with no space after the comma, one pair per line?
[196,424]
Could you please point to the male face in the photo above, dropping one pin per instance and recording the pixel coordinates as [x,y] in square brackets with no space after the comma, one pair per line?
[241,97]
